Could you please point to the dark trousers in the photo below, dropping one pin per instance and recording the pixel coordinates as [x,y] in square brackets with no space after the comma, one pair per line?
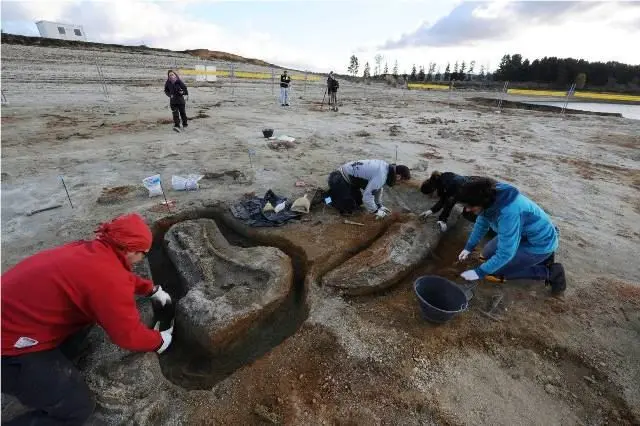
[333,97]
[523,265]
[344,196]
[49,383]
[179,111]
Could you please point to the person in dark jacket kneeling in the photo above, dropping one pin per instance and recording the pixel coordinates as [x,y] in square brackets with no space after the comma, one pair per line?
[176,90]
[526,240]
[53,296]
[446,186]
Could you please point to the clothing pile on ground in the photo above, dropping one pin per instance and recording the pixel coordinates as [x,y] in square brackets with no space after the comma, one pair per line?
[253,213]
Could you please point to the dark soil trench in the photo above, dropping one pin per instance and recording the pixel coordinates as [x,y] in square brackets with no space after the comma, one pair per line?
[192,367]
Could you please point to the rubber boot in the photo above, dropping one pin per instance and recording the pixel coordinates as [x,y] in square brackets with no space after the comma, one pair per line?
[557,279]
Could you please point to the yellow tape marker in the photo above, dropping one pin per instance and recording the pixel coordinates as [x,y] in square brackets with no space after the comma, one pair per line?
[246,74]
[425,86]
[584,95]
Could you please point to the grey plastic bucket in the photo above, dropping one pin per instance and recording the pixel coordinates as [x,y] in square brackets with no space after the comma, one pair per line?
[440,299]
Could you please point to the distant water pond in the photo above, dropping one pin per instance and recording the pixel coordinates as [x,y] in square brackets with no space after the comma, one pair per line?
[627,111]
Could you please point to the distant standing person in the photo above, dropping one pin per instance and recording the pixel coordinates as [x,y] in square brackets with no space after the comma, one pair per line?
[285,80]
[332,89]
[176,90]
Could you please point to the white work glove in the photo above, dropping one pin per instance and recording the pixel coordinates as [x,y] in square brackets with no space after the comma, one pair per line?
[386,210]
[463,255]
[381,213]
[442,225]
[167,336]
[426,214]
[161,296]
[470,275]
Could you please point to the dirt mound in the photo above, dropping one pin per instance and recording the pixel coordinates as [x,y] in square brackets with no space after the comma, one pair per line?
[391,258]
[117,194]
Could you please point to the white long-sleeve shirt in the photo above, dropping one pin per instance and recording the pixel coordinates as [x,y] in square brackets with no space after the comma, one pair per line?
[375,173]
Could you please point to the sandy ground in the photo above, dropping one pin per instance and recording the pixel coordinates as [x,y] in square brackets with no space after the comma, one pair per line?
[367,360]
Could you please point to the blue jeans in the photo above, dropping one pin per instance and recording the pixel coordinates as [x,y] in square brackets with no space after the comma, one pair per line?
[523,265]
[284,95]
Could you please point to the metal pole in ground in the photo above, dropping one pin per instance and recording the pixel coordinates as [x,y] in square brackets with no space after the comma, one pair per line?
[569,94]
[505,89]
[106,86]
[233,90]
[306,75]
[273,81]
[103,82]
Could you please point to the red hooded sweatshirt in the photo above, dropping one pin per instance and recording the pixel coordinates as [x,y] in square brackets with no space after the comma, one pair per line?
[55,293]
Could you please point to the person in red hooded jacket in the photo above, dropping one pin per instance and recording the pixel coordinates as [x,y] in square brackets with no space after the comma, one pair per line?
[49,297]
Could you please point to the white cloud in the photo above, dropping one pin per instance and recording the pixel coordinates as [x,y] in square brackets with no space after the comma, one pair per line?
[158,24]
[596,31]
[481,31]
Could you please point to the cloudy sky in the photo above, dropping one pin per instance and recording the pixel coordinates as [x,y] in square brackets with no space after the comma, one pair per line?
[322,35]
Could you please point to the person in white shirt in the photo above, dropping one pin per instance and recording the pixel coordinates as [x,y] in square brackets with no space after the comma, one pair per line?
[360,183]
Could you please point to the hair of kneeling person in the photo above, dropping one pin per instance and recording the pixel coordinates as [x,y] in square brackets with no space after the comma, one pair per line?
[431,183]
[403,171]
[478,192]
[394,170]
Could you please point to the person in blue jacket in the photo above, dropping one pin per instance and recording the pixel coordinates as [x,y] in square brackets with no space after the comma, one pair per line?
[526,238]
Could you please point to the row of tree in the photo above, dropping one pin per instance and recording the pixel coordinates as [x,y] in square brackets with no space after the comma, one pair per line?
[565,71]
[460,71]
[552,71]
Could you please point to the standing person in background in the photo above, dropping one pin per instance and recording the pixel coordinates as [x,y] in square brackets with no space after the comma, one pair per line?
[285,80]
[332,89]
[176,90]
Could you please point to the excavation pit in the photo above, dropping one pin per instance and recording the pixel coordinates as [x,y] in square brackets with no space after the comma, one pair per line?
[237,334]
[240,291]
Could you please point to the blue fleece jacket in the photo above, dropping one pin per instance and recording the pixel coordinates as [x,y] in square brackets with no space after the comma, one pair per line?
[519,223]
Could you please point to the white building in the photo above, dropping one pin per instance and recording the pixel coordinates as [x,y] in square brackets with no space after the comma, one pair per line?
[57,30]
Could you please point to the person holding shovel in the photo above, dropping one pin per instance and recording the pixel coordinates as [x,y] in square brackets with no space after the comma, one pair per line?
[176,90]
[526,240]
[55,296]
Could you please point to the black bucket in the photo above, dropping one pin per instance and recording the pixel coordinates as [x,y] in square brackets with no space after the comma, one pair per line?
[440,299]
[267,133]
